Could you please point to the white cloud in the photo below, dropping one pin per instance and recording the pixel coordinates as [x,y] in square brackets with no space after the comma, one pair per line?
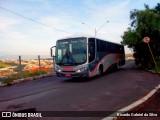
[37,39]
[118,10]
[6,23]
[114,12]
[117,13]
[55,21]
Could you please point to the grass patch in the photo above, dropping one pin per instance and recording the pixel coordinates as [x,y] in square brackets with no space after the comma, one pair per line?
[4,65]
[10,79]
[32,74]
[36,73]
[26,74]
[158,66]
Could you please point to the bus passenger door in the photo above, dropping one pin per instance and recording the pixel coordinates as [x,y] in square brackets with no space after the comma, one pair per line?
[91,49]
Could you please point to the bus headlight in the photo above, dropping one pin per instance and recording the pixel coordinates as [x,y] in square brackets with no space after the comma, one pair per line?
[81,69]
[59,70]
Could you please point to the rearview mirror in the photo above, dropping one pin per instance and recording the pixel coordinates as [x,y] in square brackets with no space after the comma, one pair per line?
[53,51]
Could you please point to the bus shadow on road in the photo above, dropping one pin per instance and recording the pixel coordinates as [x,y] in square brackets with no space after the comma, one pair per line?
[78,80]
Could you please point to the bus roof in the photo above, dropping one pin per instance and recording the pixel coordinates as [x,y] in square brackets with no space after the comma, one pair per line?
[87,36]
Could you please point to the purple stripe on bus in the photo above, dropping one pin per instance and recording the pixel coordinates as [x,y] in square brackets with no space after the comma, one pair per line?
[117,56]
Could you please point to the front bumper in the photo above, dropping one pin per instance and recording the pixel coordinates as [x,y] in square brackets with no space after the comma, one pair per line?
[73,74]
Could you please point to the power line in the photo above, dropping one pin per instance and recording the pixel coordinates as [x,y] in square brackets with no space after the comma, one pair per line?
[34,20]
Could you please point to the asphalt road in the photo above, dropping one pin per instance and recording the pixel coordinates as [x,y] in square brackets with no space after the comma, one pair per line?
[108,93]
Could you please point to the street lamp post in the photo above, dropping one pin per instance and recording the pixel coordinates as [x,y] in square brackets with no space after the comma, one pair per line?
[95,33]
[96,30]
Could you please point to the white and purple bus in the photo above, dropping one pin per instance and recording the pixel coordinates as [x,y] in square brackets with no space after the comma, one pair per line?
[86,56]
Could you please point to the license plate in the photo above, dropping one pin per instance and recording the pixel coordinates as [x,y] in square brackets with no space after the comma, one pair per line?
[68,75]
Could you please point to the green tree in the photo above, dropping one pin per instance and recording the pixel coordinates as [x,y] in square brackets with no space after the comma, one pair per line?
[144,23]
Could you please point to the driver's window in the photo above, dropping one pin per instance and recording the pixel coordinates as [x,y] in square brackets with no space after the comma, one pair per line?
[59,54]
[91,49]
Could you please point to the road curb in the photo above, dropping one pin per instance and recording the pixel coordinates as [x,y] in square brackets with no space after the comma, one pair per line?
[152,71]
[27,79]
[133,105]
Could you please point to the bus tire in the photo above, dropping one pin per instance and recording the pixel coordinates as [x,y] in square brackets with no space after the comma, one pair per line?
[100,70]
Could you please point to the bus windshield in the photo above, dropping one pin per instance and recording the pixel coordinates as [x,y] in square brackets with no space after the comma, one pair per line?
[71,51]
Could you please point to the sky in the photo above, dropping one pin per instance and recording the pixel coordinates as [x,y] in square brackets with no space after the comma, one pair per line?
[31,27]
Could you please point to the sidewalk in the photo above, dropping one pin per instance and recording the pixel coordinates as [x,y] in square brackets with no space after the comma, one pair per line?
[151,106]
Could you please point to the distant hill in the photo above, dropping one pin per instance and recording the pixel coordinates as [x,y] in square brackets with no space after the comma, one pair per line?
[23,57]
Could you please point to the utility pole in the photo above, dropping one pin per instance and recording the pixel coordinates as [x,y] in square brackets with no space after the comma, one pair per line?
[39,61]
[20,67]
